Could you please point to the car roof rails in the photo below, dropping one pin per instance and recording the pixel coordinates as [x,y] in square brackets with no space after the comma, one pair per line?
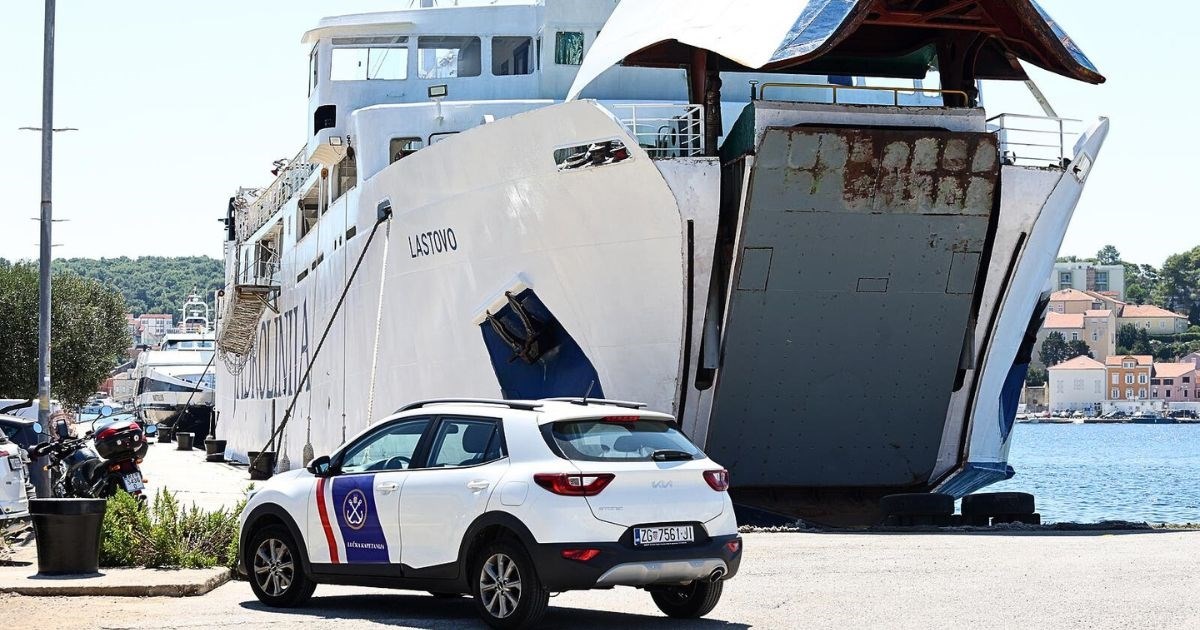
[598,401]
[521,405]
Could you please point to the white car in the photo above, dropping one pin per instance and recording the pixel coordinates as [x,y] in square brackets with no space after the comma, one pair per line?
[506,501]
[14,495]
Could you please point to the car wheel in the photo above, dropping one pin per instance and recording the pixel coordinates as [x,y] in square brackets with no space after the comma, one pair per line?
[508,593]
[276,574]
[688,602]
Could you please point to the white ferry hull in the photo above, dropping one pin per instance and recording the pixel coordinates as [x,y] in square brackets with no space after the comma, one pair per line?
[615,255]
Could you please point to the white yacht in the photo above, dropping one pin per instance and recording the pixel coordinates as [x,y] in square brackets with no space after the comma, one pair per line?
[790,224]
[176,382]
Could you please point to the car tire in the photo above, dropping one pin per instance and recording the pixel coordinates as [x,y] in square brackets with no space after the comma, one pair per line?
[507,591]
[688,602]
[274,568]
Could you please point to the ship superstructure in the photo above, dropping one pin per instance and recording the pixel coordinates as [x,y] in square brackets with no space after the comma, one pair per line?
[727,226]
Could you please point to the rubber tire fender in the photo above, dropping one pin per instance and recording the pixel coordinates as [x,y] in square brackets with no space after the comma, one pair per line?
[992,503]
[917,504]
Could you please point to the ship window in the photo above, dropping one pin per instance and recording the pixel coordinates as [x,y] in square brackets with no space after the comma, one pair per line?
[324,117]
[347,174]
[448,57]
[369,64]
[312,71]
[568,49]
[510,56]
[435,138]
[400,148]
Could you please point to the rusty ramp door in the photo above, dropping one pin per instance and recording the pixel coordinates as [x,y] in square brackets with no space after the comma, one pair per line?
[851,301]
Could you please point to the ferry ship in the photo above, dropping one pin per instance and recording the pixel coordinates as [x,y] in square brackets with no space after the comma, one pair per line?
[720,209]
[175,383]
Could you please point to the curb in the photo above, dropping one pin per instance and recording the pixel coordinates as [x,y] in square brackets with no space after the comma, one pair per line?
[81,589]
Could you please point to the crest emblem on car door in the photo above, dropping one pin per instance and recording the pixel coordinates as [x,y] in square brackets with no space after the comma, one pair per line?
[354,509]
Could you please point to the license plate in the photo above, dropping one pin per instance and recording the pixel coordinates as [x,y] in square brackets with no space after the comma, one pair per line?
[15,463]
[671,535]
[133,482]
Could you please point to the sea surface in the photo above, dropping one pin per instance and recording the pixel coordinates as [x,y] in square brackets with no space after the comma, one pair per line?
[1094,472]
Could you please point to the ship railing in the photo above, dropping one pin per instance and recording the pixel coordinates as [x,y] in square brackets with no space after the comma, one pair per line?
[1027,140]
[257,207]
[664,130]
[262,272]
[859,94]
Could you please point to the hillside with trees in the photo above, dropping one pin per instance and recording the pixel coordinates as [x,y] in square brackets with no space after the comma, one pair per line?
[152,284]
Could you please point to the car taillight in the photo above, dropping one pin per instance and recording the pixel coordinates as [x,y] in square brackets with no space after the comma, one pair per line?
[580,555]
[574,485]
[717,479]
[733,546]
[621,418]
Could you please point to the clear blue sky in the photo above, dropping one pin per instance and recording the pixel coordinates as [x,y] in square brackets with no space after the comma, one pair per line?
[180,103]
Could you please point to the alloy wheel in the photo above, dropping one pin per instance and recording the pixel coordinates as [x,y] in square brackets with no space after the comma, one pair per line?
[274,569]
[500,585]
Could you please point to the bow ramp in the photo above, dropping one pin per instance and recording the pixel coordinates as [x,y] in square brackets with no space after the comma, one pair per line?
[850,239]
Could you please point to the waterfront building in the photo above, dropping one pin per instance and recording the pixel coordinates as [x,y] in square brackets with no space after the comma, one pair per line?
[1193,358]
[1128,377]
[1096,328]
[1086,276]
[1076,385]
[1174,382]
[1153,319]
[153,327]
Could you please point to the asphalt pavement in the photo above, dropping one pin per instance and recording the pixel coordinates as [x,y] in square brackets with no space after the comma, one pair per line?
[788,580]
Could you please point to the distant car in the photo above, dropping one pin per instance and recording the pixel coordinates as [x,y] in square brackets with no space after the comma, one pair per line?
[14,491]
[1079,414]
[507,501]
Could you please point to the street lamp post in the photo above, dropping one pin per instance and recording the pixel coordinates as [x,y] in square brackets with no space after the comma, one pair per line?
[47,221]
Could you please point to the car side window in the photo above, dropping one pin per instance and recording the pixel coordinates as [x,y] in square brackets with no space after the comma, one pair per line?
[391,448]
[465,442]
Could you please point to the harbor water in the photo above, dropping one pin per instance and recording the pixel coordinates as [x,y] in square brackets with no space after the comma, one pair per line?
[1094,472]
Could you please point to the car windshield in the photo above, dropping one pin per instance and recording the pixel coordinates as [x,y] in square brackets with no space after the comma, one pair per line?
[607,440]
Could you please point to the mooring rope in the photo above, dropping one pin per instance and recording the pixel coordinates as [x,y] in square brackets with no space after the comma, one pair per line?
[387,241]
[287,415]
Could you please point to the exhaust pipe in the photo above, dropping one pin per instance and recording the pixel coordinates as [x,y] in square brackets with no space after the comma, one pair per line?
[716,575]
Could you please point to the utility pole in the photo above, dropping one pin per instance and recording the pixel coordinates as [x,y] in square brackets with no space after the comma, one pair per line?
[42,480]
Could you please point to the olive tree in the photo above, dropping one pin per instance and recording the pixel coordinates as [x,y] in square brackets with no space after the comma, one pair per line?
[88,334]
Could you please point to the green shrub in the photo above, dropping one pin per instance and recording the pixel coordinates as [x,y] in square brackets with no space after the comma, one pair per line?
[166,534]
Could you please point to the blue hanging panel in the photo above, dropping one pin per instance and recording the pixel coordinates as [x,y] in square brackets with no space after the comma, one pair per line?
[533,356]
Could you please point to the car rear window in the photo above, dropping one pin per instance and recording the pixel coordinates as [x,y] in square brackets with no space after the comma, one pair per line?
[624,441]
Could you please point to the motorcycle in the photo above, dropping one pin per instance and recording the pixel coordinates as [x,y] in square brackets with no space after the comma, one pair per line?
[100,469]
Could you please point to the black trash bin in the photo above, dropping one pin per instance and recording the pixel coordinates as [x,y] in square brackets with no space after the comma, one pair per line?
[214,450]
[183,441]
[164,435]
[68,535]
[262,464]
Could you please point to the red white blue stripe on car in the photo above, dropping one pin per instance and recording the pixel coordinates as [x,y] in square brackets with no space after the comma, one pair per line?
[350,502]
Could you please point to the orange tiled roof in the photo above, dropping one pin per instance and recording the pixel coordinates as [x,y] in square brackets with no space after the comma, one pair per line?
[1079,363]
[1147,310]
[1071,295]
[1116,359]
[1064,320]
[1172,370]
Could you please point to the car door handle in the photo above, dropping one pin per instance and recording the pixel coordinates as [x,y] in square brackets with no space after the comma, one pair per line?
[479,484]
[387,486]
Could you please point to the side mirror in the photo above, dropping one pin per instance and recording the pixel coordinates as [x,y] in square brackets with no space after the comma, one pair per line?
[151,429]
[37,428]
[106,410]
[321,466]
[62,430]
